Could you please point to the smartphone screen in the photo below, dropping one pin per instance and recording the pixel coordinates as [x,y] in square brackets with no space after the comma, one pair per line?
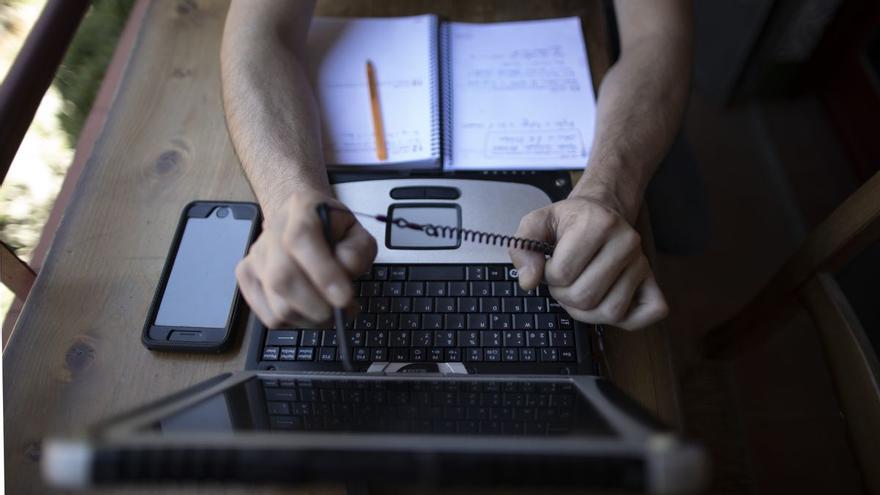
[201,287]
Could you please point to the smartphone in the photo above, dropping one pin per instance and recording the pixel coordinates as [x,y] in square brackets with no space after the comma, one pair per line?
[196,301]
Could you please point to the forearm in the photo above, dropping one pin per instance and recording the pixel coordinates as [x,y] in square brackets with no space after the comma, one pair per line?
[640,107]
[270,109]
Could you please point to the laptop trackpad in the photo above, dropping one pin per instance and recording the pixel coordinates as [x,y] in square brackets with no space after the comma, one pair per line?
[440,215]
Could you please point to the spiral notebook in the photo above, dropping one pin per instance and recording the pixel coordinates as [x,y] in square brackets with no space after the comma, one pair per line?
[461,96]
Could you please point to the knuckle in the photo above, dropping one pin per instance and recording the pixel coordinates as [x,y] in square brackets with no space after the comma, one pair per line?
[616,310]
[588,299]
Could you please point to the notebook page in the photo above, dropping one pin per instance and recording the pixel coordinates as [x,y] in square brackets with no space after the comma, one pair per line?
[402,51]
[522,97]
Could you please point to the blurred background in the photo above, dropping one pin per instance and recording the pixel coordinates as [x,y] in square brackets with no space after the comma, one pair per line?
[783,124]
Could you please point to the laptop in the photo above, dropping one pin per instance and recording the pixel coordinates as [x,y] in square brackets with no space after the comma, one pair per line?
[460,376]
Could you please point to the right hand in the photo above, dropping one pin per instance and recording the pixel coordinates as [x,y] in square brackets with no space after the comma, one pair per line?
[290,277]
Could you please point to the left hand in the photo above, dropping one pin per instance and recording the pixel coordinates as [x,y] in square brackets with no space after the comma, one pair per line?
[598,271]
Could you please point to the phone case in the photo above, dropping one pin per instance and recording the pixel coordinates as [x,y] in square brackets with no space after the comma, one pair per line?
[216,341]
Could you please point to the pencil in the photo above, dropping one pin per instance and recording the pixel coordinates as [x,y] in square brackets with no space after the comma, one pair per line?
[378,128]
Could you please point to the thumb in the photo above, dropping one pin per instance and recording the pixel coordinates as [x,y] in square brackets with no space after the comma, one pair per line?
[530,264]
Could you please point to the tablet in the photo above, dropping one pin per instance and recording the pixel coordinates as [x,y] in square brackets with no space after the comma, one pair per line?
[419,430]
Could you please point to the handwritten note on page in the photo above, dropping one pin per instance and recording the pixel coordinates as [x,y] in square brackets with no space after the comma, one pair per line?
[522,96]
[401,52]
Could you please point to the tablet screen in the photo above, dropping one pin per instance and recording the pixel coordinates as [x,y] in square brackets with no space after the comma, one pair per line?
[447,407]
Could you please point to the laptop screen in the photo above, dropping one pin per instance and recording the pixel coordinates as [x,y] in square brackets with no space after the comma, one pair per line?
[446,407]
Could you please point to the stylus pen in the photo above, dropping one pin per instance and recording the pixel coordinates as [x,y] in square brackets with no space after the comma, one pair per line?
[338,315]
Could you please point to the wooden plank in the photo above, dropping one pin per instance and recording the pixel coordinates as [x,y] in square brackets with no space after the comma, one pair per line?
[76,355]
[854,225]
[15,274]
[854,369]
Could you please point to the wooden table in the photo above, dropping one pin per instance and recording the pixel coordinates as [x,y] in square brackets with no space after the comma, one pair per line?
[75,356]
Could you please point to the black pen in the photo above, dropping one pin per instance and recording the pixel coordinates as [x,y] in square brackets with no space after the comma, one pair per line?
[338,316]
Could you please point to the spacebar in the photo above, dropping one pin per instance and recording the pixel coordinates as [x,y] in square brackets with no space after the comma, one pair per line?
[436,272]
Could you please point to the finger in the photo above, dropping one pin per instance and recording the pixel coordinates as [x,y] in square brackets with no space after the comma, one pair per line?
[576,248]
[357,250]
[530,264]
[617,302]
[289,292]
[593,284]
[304,241]
[252,292]
[648,307]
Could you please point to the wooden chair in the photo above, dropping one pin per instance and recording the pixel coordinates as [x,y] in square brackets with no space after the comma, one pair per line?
[806,282]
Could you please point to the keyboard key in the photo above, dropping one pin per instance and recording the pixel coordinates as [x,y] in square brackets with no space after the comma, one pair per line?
[477,321]
[380,273]
[453,355]
[537,338]
[519,291]
[305,354]
[441,273]
[455,322]
[481,289]
[282,337]
[356,338]
[499,322]
[327,354]
[361,354]
[514,338]
[512,305]
[444,338]
[281,394]
[565,322]
[280,408]
[510,354]
[392,289]
[328,337]
[435,289]
[414,289]
[495,272]
[549,355]
[546,321]
[524,321]
[562,338]
[502,289]
[436,355]
[379,354]
[445,304]
[387,321]
[423,338]
[397,273]
[410,322]
[536,305]
[378,305]
[490,305]
[365,322]
[270,354]
[309,338]
[399,338]
[377,338]
[476,273]
[469,338]
[567,354]
[399,355]
[417,354]
[432,321]
[371,289]
[401,304]
[527,354]
[474,354]
[468,305]
[490,338]
[492,354]
[423,304]
[288,354]
[458,289]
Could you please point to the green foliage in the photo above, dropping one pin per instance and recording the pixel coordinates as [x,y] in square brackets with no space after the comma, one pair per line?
[82,70]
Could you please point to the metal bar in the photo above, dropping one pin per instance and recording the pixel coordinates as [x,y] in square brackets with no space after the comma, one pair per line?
[33,71]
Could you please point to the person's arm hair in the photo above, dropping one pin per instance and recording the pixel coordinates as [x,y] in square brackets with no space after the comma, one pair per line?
[641,101]
[271,112]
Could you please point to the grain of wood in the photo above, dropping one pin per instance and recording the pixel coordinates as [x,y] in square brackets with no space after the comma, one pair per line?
[75,356]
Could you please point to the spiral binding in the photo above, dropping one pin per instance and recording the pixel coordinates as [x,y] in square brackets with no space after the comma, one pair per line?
[468,235]
[436,131]
[445,48]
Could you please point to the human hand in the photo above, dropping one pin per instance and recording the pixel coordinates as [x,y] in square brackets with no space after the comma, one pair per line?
[598,271]
[290,277]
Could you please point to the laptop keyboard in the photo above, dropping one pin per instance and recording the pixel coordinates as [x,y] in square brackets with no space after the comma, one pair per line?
[488,407]
[439,313]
